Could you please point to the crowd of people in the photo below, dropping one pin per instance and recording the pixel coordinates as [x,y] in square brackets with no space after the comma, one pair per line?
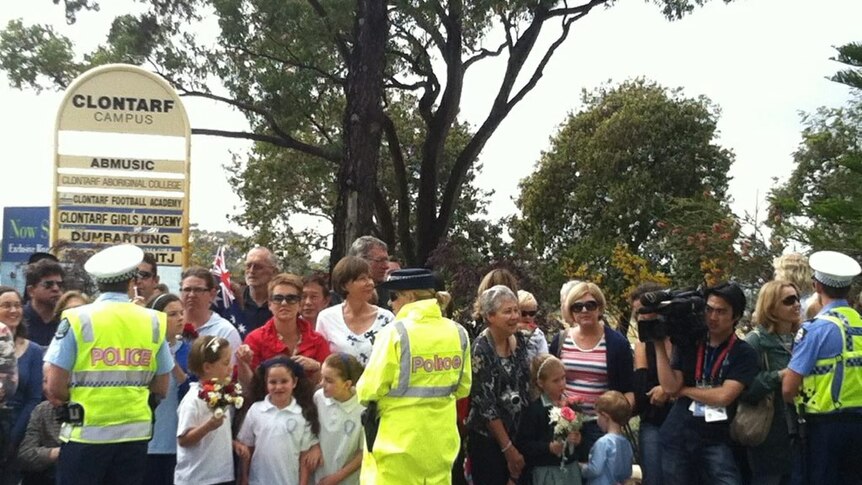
[360,377]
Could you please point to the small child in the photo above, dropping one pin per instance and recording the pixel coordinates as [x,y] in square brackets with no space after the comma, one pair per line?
[204,454]
[611,456]
[281,425]
[162,449]
[542,453]
[340,422]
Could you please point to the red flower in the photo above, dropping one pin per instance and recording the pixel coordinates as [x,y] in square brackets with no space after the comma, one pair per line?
[568,414]
[190,332]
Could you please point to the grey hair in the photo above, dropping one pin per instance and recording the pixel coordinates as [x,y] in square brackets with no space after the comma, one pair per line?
[364,244]
[492,299]
[270,257]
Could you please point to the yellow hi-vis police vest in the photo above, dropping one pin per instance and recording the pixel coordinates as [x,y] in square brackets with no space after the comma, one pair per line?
[116,360]
[428,373]
[835,383]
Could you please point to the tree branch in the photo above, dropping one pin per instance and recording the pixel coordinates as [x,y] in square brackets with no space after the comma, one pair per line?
[484,53]
[580,10]
[402,194]
[274,140]
[340,44]
[288,141]
[384,217]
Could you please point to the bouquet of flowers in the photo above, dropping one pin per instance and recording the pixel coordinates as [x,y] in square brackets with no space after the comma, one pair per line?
[219,396]
[566,419]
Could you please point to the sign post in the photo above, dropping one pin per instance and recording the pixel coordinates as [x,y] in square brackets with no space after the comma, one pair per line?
[121,173]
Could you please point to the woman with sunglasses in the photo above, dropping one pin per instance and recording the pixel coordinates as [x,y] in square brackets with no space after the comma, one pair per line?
[286,333]
[597,358]
[777,319]
[352,326]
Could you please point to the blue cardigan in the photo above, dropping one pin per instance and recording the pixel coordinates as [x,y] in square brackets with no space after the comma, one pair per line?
[29,392]
[620,360]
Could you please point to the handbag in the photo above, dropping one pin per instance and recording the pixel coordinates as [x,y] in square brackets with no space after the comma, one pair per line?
[751,424]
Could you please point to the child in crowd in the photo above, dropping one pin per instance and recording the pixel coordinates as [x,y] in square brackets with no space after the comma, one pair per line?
[204,454]
[340,423]
[40,449]
[162,449]
[280,425]
[611,456]
[542,453]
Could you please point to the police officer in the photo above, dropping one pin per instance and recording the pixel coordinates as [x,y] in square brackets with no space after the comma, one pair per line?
[827,364]
[418,367]
[103,363]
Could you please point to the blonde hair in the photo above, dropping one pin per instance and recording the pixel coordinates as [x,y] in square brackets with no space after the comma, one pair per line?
[564,292]
[540,367]
[63,303]
[768,300]
[615,405]
[493,278]
[525,298]
[813,309]
[443,297]
[794,269]
[579,291]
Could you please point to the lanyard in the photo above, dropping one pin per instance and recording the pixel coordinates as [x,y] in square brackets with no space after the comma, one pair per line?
[716,366]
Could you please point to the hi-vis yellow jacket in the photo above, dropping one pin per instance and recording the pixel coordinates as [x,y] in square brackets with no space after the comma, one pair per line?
[824,391]
[116,360]
[419,366]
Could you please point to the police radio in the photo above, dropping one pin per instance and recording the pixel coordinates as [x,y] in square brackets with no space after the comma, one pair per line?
[72,413]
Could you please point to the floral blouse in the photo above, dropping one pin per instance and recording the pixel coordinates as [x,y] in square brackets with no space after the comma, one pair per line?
[500,385]
[8,364]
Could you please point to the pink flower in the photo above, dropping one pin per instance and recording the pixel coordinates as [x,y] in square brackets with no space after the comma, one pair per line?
[568,414]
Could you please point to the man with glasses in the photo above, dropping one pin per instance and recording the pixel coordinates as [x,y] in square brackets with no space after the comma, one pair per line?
[147,279]
[260,267]
[44,280]
[706,379]
[376,252]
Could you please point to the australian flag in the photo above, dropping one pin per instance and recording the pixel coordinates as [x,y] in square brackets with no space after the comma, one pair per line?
[225,303]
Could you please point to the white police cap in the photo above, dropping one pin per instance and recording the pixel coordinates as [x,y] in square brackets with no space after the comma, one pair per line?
[115,264]
[834,269]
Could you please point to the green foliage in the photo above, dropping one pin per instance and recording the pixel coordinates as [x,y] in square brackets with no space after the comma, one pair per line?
[851,55]
[818,205]
[36,56]
[613,170]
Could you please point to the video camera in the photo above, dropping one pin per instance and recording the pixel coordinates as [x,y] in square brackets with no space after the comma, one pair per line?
[679,315]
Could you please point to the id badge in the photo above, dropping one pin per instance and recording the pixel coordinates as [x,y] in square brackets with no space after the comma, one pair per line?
[697,409]
[715,413]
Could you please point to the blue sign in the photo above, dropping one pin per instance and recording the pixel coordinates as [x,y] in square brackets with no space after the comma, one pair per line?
[25,231]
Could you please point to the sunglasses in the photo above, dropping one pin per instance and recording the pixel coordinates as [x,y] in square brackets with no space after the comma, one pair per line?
[393,296]
[580,306]
[282,299]
[48,284]
[144,275]
[525,313]
[197,290]
[790,300]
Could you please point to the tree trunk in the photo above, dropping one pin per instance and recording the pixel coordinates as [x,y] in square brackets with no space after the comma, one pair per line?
[363,121]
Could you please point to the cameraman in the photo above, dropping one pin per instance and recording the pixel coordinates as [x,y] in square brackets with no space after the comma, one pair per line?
[707,378]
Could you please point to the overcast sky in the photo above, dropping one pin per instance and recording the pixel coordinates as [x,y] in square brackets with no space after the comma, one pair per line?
[762,61]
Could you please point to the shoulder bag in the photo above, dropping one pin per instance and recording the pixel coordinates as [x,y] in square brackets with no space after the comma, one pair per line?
[751,424]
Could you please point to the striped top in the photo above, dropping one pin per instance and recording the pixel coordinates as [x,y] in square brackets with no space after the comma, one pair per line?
[586,372]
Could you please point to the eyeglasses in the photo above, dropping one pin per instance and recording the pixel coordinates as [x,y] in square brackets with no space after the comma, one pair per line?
[282,299]
[380,260]
[193,289]
[11,306]
[144,275]
[579,306]
[48,284]
[790,300]
[526,313]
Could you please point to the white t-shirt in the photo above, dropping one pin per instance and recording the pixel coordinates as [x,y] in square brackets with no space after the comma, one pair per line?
[219,327]
[340,435]
[331,324]
[278,437]
[211,459]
